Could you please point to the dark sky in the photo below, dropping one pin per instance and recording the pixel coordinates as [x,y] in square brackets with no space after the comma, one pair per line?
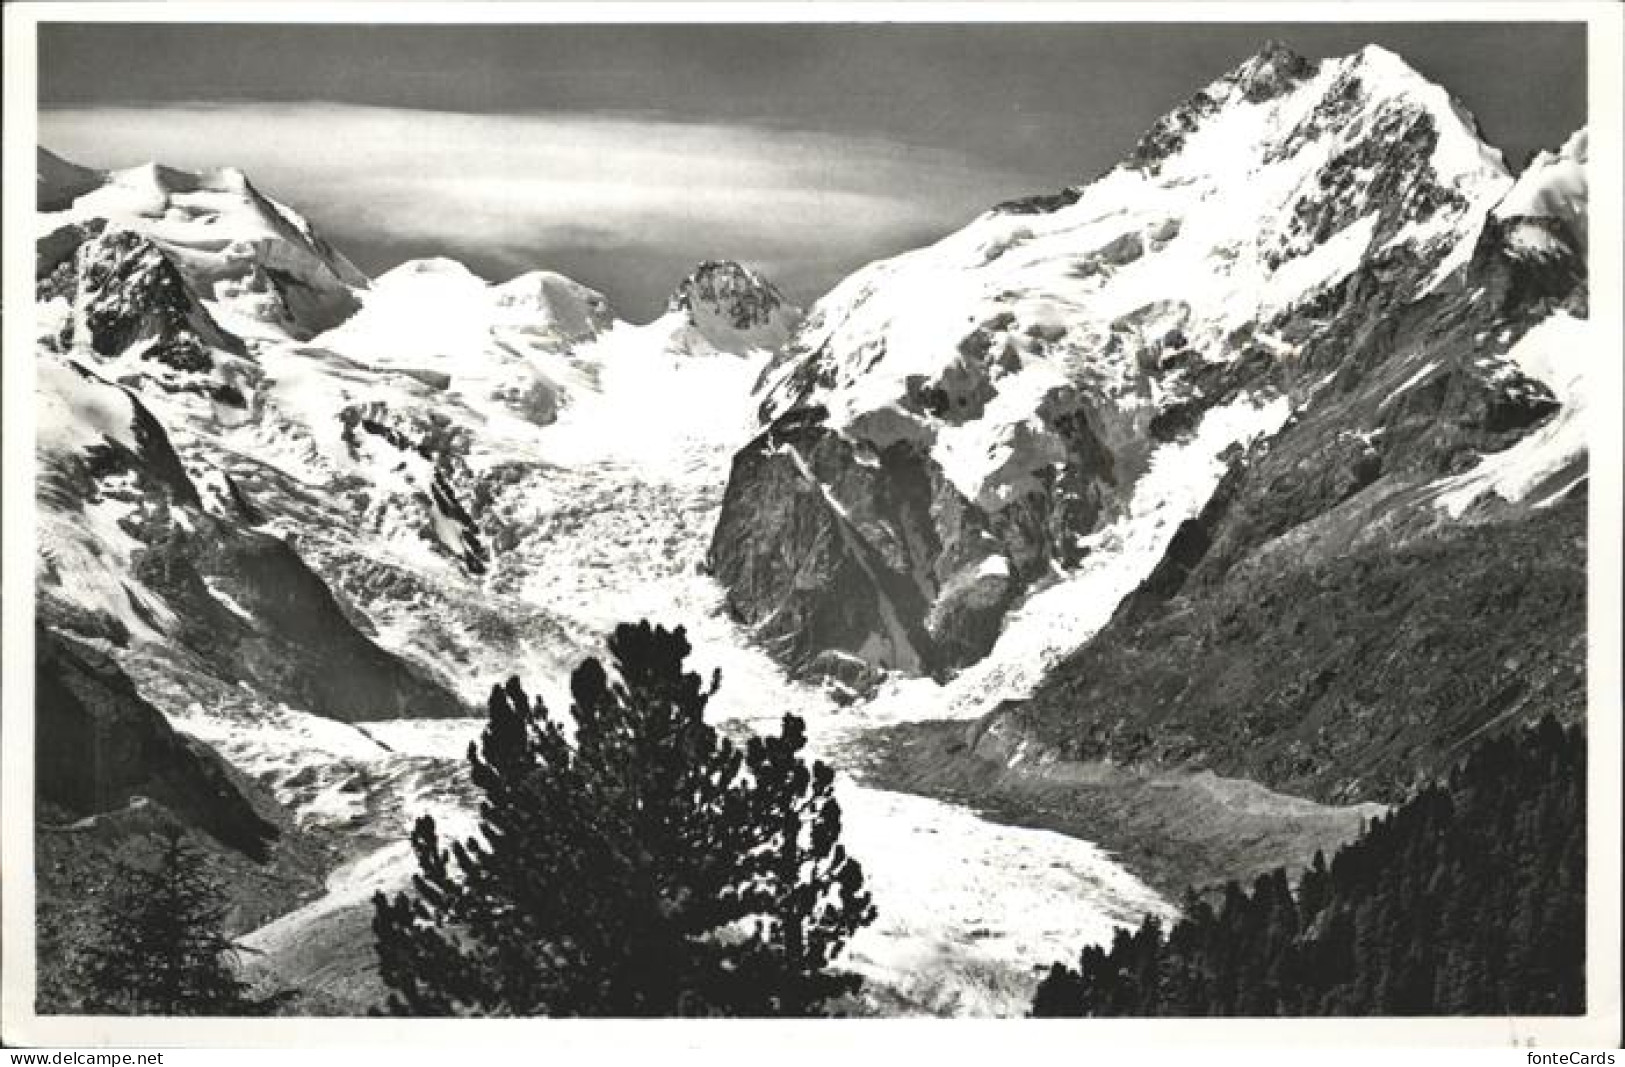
[808,149]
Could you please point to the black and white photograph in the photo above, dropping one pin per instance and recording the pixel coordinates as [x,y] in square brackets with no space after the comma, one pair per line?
[760,512]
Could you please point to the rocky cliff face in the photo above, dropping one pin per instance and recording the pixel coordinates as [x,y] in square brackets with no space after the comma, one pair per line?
[98,745]
[111,773]
[131,553]
[1400,569]
[954,429]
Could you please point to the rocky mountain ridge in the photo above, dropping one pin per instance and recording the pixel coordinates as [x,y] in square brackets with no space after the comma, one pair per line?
[1371,352]
[968,457]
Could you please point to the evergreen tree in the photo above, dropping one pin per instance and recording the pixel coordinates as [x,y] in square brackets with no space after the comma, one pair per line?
[1468,899]
[644,867]
[159,948]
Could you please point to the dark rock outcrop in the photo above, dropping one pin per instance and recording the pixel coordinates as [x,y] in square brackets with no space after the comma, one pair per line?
[98,744]
[739,295]
[58,183]
[827,545]
[856,583]
[128,292]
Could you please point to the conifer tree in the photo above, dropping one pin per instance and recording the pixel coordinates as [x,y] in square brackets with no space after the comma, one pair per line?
[160,948]
[1469,898]
[644,867]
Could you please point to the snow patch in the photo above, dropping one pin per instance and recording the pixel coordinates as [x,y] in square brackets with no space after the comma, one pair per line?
[77,411]
[1555,352]
[1552,186]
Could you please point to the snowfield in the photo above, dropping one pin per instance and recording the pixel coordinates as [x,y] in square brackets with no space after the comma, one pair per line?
[1555,353]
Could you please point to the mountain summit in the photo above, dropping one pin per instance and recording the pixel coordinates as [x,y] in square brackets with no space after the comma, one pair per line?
[978,450]
[233,244]
[733,307]
[1273,70]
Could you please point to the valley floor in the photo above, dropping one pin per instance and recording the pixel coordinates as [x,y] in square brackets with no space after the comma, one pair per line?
[1176,829]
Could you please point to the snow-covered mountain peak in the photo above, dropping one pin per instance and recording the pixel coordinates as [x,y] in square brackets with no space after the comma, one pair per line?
[1393,81]
[730,286]
[1255,204]
[1010,357]
[554,301]
[505,352]
[1285,104]
[1273,70]
[261,262]
[733,307]
[1547,204]
[435,266]
[436,307]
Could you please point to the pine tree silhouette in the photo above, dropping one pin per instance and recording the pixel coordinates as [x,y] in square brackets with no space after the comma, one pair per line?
[159,947]
[646,867]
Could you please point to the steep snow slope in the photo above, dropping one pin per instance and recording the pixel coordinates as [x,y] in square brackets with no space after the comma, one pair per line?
[977,411]
[1551,190]
[100,459]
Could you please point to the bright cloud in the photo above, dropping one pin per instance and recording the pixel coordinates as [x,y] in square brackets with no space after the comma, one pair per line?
[631,190]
